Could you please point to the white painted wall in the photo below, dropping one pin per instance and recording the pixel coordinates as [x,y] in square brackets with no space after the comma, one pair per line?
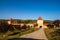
[40,23]
[9,22]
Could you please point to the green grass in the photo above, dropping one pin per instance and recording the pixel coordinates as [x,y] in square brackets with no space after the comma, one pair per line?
[16,33]
[52,34]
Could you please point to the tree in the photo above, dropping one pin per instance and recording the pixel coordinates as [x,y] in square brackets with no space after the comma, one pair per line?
[3,26]
[11,28]
[50,25]
[57,23]
[24,26]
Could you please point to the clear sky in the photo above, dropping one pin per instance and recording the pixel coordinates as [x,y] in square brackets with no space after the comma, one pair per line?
[30,9]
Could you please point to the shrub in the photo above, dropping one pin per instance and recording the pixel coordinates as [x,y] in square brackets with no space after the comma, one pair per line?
[4,26]
[18,27]
[50,26]
[24,26]
[11,28]
[57,23]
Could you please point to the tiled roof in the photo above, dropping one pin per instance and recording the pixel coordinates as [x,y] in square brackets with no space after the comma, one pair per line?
[40,18]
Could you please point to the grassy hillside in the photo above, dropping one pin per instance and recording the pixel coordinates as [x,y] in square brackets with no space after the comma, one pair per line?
[15,33]
[52,34]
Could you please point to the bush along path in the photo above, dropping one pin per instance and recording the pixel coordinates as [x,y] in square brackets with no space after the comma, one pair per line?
[39,34]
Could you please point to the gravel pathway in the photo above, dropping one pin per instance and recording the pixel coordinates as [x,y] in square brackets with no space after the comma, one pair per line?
[36,35]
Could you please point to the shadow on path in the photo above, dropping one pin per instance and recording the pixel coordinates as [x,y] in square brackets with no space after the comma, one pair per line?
[24,39]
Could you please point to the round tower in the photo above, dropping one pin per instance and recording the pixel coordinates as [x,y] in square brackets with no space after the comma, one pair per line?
[40,22]
[10,21]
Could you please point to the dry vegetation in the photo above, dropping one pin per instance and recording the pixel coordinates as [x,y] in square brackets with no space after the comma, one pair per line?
[53,34]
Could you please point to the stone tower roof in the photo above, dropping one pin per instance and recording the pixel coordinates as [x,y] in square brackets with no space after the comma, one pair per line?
[40,18]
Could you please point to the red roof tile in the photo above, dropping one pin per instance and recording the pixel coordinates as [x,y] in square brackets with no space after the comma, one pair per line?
[40,18]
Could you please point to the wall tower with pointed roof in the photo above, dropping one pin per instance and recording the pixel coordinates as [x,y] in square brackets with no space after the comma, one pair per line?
[10,21]
[40,22]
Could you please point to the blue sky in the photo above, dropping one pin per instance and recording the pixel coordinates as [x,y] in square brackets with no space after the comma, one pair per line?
[30,9]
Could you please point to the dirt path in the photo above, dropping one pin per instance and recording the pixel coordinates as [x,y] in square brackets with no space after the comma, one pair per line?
[36,35]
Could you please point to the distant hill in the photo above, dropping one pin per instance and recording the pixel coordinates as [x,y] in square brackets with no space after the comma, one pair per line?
[26,21]
[48,21]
